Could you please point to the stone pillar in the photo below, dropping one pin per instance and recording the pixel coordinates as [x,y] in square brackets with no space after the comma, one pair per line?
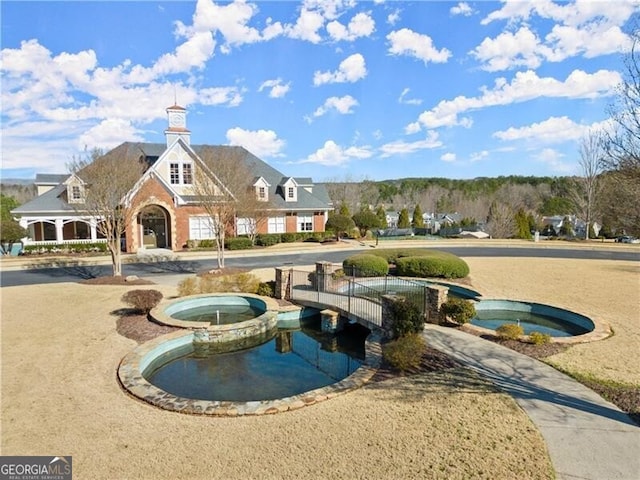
[331,321]
[323,276]
[436,295]
[283,283]
[387,315]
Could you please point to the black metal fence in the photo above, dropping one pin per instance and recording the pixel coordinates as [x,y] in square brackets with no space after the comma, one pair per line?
[356,295]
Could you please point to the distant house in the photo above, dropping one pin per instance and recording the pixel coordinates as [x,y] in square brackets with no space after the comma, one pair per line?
[166,213]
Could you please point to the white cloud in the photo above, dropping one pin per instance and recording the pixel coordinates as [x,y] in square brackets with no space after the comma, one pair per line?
[583,27]
[351,69]
[408,101]
[552,130]
[262,143]
[306,27]
[477,156]
[412,44]
[276,88]
[333,155]
[393,17]
[448,157]
[462,8]
[231,20]
[343,105]
[524,86]
[109,134]
[361,25]
[553,159]
[401,147]
[231,96]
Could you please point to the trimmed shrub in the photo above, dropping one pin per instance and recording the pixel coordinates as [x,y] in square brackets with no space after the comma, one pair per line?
[65,248]
[539,338]
[207,243]
[240,283]
[407,318]
[458,310]
[238,243]
[267,239]
[509,331]
[448,266]
[366,265]
[142,300]
[267,289]
[289,237]
[405,352]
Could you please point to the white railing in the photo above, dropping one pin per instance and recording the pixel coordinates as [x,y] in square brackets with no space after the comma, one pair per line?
[63,242]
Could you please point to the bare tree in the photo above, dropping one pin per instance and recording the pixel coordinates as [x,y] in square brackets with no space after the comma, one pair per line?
[587,187]
[501,220]
[225,191]
[623,143]
[104,183]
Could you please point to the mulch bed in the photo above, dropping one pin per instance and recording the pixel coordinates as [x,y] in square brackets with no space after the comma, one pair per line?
[139,328]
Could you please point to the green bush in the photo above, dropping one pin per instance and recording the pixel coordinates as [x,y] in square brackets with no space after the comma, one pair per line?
[509,331]
[267,239]
[458,310]
[239,282]
[407,318]
[365,265]
[267,289]
[65,248]
[289,237]
[448,266]
[207,243]
[405,352]
[142,300]
[238,243]
[539,338]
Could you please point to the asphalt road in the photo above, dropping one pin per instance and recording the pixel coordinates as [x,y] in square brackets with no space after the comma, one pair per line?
[73,273]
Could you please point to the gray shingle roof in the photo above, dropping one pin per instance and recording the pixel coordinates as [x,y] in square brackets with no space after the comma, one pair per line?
[317,199]
[50,178]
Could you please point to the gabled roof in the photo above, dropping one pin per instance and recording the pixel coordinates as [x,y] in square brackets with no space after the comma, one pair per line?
[48,202]
[50,178]
[317,200]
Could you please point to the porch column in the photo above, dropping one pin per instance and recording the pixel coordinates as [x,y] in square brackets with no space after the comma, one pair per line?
[93,229]
[59,234]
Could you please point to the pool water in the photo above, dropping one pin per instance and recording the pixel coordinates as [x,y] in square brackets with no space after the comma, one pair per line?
[530,322]
[293,362]
[219,314]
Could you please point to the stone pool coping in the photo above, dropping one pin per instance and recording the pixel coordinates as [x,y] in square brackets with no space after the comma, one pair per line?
[601,328]
[159,316]
[131,379]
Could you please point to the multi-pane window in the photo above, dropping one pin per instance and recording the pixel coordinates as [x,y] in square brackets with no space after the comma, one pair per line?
[262,193]
[180,173]
[305,223]
[276,225]
[290,192]
[187,174]
[76,194]
[174,173]
[200,228]
[246,226]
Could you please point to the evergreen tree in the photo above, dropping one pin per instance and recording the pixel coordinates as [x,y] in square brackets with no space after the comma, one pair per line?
[382,216]
[344,210]
[403,219]
[417,221]
[522,225]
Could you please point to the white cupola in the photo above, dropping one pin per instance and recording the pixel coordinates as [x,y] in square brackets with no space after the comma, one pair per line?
[177,117]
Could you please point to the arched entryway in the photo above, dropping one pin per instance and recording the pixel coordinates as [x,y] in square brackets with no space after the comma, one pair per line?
[154,230]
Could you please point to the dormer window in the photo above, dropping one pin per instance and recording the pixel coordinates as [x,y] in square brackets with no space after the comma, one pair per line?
[289,189]
[75,194]
[291,193]
[261,189]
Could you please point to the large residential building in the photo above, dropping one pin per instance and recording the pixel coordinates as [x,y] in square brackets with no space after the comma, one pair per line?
[166,212]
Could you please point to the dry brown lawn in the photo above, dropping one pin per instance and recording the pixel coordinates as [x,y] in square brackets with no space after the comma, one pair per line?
[60,396]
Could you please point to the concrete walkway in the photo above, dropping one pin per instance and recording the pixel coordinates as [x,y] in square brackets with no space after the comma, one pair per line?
[587,437]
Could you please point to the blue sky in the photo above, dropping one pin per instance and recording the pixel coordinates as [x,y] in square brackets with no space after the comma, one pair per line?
[329,89]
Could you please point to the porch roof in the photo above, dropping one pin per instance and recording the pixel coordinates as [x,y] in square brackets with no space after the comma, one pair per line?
[48,202]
